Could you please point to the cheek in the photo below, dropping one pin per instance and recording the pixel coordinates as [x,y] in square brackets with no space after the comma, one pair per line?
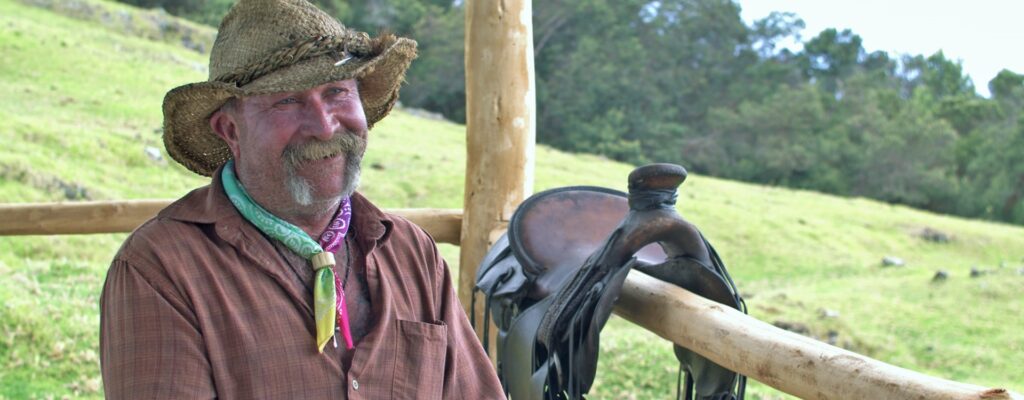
[352,116]
[266,141]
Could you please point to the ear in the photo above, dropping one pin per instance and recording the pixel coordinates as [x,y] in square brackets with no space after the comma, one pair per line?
[224,125]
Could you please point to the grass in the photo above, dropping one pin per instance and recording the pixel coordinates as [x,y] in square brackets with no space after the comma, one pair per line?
[82,105]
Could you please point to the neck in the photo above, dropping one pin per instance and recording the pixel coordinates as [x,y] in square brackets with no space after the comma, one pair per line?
[312,219]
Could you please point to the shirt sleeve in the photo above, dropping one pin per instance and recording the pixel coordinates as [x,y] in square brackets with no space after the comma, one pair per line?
[469,373]
[150,343]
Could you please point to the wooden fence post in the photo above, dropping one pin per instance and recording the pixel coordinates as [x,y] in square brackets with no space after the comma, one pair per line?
[500,127]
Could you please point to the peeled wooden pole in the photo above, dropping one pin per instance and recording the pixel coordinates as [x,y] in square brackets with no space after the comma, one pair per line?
[124,216]
[77,217]
[500,125]
[445,225]
[789,362]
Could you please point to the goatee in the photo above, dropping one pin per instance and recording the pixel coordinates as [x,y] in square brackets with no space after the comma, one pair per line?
[351,145]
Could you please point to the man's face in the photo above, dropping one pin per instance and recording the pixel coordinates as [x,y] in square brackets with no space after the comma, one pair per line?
[297,149]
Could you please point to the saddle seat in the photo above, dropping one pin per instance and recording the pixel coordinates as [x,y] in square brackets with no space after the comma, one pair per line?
[555,233]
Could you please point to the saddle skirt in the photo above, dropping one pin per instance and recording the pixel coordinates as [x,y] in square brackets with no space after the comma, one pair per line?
[551,281]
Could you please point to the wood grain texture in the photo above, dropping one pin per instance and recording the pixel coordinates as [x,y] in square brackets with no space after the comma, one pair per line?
[795,364]
[500,127]
[74,218]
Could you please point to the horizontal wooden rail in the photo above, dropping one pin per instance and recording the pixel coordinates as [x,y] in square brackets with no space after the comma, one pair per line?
[71,218]
[789,362]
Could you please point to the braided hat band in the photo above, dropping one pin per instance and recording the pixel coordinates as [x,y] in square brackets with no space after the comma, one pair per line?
[341,48]
[273,46]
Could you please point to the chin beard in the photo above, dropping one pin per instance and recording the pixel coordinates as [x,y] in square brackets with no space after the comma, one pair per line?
[353,170]
[301,190]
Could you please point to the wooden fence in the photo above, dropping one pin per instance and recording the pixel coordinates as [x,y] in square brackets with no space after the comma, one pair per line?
[445,225]
[791,363]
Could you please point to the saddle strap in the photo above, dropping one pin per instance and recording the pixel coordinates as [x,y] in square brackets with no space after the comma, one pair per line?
[571,296]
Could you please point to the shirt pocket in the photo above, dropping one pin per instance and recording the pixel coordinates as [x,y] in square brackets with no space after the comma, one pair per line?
[420,360]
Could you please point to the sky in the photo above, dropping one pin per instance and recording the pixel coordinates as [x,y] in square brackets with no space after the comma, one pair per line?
[986,36]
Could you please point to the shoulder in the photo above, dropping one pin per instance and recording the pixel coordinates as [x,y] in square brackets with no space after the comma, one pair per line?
[153,251]
[404,227]
[387,228]
[405,233]
[177,230]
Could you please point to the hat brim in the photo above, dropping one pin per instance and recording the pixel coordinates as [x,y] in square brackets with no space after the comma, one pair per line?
[190,140]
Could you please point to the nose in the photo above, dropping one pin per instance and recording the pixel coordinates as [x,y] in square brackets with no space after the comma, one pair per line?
[321,121]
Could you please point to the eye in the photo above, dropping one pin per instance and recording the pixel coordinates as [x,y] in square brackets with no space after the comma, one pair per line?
[286,101]
[336,91]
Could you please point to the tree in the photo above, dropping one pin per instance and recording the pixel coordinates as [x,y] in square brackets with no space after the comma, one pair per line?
[993,177]
[907,160]
[945,78]
[437,79]
[776,141]
[832,56]
[1007,88]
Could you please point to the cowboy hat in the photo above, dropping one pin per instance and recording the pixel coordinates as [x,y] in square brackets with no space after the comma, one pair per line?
[273,46]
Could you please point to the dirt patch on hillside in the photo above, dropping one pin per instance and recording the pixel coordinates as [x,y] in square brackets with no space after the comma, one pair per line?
[52,185]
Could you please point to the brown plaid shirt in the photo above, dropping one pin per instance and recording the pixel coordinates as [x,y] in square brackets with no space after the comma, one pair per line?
[199,304]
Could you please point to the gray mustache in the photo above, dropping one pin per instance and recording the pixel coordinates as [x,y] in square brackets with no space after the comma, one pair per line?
[341,142]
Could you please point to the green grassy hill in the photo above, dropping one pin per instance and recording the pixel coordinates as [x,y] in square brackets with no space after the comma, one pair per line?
[83,81]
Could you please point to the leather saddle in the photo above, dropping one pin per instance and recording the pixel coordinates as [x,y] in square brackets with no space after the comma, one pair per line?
[551,281]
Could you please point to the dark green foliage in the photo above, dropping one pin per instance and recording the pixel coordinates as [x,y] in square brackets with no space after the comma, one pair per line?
[686,81]
[437,80]
[994,174]
[831,57]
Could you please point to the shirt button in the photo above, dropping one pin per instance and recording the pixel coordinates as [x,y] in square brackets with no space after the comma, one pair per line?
[355,384]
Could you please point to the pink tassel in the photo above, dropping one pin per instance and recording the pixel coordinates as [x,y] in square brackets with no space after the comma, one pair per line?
[346,330]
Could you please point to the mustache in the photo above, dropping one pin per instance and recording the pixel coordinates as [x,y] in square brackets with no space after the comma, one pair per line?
[341,142]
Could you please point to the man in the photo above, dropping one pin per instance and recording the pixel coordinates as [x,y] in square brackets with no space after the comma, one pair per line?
[278,280]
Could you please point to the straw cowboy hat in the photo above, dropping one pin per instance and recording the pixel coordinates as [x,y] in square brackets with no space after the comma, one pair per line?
[272,46]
